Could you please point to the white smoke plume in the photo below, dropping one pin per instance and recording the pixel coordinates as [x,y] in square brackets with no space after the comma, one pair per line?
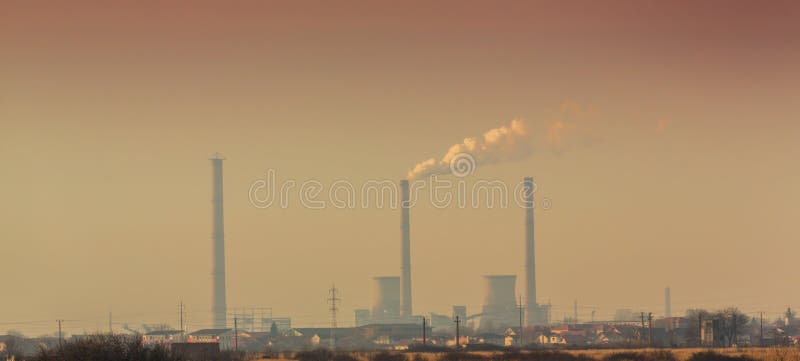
[509,142]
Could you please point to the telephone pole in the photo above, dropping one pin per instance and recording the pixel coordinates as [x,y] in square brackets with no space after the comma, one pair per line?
[424,340]
[458,335]
[650,327]
[521,308]
[761,325]
[333,300]
[235,333]
[733,321]
[110,328]
[641,335]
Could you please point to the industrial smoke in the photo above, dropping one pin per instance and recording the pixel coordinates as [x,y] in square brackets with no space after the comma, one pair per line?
[509,142]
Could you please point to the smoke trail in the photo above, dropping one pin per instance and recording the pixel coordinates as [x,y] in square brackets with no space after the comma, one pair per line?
[497,145]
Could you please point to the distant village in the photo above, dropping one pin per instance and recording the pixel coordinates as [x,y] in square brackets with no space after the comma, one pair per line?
[698,328]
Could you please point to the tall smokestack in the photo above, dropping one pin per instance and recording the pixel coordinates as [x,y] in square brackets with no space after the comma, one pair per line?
[531,307]
[405,250]
[219,307]
[667,303]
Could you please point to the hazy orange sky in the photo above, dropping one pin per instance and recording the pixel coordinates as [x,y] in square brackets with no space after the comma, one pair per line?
[681,169]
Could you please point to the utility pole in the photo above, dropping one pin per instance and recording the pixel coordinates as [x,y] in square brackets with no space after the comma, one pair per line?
[521,320]
[333,300]
[60,337]
[733,336]
[183,331]
[235,333]
[424,341]
[110,328]
[761,322]
[458,335]
[650,326]
[641,336]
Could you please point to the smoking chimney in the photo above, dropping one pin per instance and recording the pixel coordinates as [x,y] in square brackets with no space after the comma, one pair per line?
[405,250]
[667,303]
[219,308]
[533,316]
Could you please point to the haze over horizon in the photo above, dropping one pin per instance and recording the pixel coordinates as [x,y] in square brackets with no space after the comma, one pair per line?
[665,134]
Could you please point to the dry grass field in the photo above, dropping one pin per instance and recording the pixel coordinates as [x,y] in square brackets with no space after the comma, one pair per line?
[683,354]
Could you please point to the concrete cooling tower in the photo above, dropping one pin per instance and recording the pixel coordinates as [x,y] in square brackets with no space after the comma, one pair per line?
[499,305]
[386,299]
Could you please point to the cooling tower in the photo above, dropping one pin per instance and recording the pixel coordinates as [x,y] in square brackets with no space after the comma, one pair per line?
[219,307]
[532,311]
[386,299]
[405,251]
[499,306]
[362,317]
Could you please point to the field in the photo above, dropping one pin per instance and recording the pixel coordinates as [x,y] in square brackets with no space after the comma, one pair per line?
[683,354]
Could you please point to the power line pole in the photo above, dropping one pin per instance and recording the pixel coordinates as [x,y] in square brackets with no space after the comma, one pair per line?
[761,335]
[521,321]
[333,300]
[424,326]
[110,328]
[235,333]
[183,331]
[458,335]
[641,335]
[60,337]
[650,326]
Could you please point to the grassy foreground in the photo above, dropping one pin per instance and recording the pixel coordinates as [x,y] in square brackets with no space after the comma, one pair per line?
[689,354]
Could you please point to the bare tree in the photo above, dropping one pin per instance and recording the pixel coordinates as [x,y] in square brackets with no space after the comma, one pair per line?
[733,323]
[695,317]
[13,345]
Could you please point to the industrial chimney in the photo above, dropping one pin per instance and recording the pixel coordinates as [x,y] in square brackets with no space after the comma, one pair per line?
[405,251]
[219,308]
[532,312]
